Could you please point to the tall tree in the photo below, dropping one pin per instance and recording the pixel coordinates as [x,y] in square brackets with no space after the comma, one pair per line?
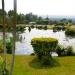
[1,15]
[14,38]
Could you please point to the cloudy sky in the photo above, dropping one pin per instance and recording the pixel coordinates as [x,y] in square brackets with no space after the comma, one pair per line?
[43,7]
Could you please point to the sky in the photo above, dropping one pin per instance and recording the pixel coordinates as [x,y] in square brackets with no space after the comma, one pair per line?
[43,7]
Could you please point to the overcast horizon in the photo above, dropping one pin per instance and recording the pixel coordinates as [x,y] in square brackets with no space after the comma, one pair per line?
[43,7]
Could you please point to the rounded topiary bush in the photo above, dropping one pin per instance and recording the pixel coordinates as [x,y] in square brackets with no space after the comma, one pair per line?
[43,46]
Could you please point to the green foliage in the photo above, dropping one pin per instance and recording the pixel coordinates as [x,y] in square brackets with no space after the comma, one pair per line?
[32,26]
[1,46]
[3,70]
[69,50]
[39,27]
[46,60]
[60,50]
[60,24]
[42,48]
[9,47]
[64,51]
[70,31]
[20,28]
[45,27]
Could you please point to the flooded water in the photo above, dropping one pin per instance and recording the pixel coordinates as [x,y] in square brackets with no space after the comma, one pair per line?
[23,45]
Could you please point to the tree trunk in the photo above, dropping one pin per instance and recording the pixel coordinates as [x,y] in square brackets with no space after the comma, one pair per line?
[14,38]
[4,30]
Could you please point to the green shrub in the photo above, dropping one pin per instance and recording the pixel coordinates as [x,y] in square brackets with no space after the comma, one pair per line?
[45,27]
[43,46]
[40,27]
[32,26]
[20,28]
[64,51]
[69,50]
[60,50]
[9,45]
[70,31]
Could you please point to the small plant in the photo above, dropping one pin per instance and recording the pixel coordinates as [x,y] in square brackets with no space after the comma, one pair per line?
[32,26]
[3,70]
[39,27]
[60,50]
[9,45]
[69,50]
[45,27]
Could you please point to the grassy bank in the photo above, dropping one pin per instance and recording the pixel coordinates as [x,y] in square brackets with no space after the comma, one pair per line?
[25,65]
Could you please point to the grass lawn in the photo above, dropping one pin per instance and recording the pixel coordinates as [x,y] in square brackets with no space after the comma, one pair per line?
[24,65]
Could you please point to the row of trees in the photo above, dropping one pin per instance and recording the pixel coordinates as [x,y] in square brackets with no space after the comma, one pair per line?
[26,19]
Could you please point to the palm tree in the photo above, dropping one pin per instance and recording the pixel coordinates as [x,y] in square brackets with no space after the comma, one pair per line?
[14,38]
[4,27]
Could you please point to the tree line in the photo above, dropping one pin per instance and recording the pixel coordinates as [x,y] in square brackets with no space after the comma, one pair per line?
[30,17]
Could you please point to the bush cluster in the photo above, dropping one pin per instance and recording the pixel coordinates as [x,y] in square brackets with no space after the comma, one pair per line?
[8,46]
[42,48]
[64,51]
[20,28]
[32,26]
[42,27]
[70,31]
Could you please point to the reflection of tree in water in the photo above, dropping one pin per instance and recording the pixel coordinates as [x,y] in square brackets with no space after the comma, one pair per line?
[21,39]
[29,29]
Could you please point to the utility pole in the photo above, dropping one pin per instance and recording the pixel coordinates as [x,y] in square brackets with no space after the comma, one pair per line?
[14,37]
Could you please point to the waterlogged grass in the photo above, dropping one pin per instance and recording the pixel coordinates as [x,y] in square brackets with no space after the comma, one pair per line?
[27,65]
[50,26]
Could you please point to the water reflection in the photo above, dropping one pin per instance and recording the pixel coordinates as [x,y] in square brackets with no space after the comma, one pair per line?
[23,42]
[23,46]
